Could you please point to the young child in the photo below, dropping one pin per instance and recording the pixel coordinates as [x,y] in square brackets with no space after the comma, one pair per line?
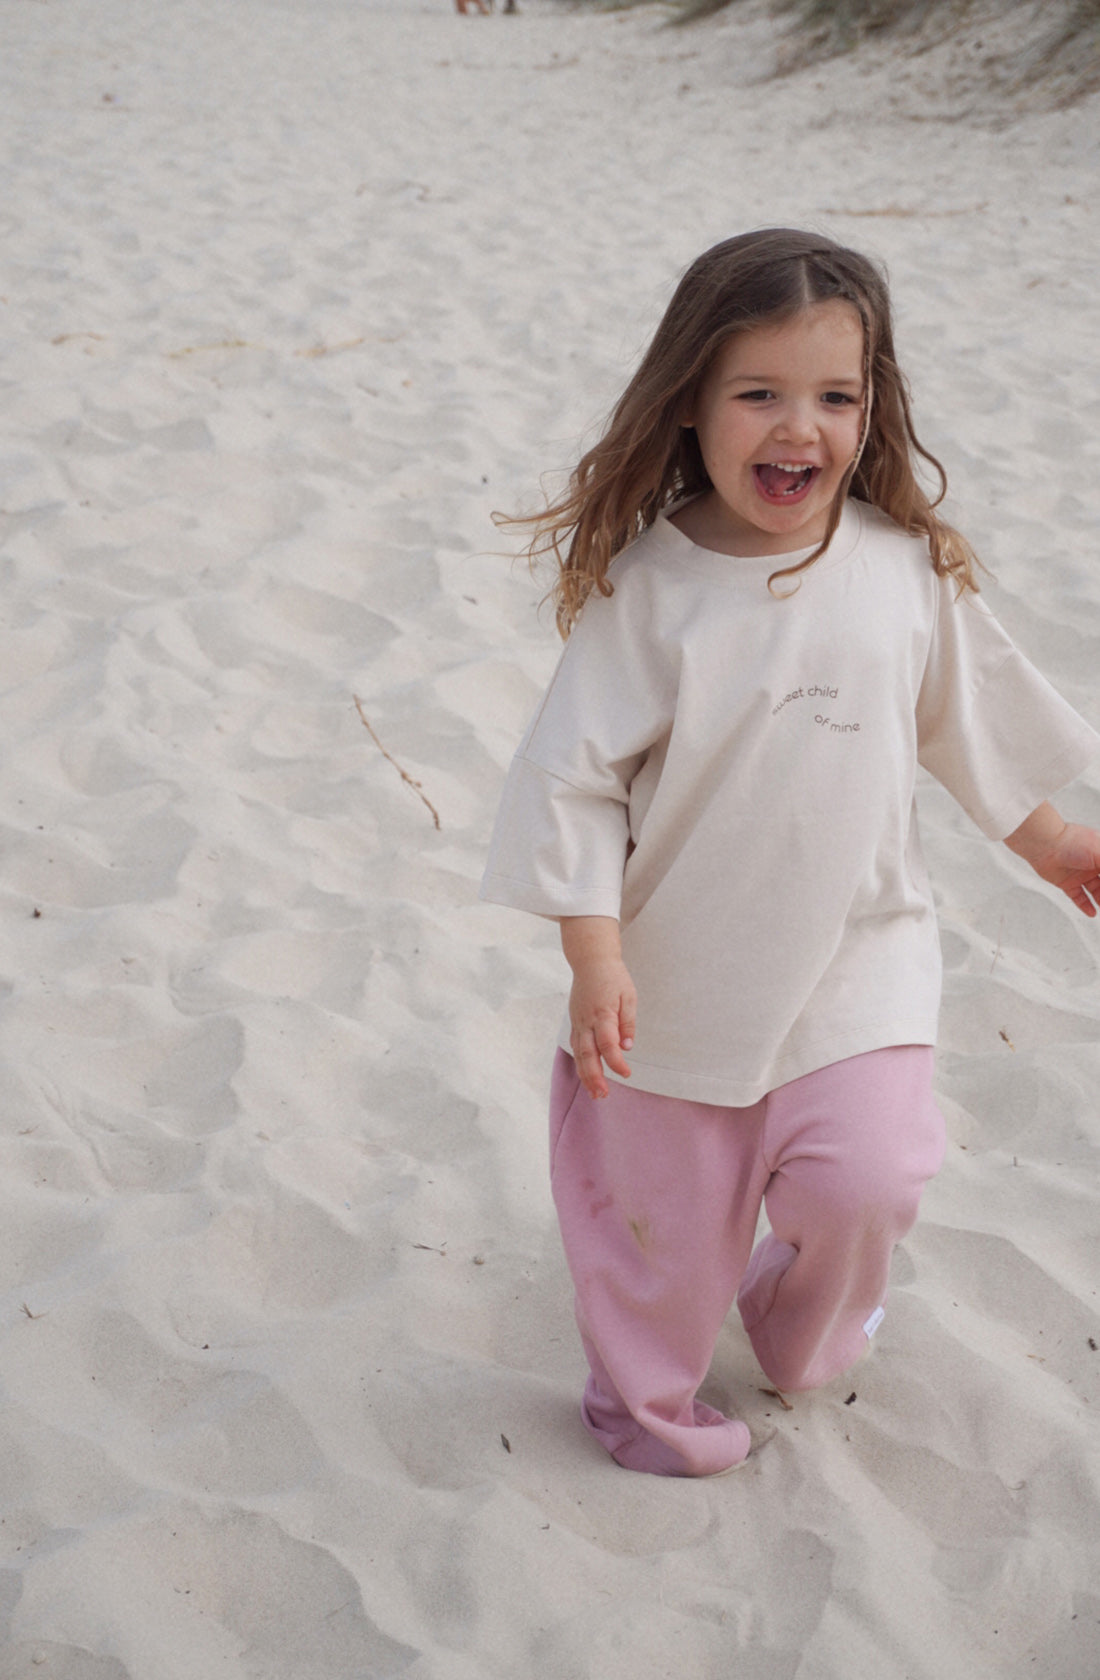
[769,628]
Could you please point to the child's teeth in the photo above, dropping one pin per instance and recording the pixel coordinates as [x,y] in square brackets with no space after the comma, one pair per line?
[785,478]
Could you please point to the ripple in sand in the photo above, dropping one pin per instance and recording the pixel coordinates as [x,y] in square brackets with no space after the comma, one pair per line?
[184,1580]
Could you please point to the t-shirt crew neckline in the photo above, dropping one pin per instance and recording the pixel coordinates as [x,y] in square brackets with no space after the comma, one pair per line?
[845,538]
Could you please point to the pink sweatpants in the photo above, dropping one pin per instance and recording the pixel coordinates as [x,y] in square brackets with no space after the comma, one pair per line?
[658,1200]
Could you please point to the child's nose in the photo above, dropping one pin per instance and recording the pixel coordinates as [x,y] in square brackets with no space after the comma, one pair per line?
[798,423]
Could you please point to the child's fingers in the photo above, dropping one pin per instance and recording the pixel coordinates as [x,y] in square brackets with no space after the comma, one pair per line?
[589,1064]
[1080,897]
[627,1022]
[1083,887]
[607,1043]
[592,1047]
[601,1006]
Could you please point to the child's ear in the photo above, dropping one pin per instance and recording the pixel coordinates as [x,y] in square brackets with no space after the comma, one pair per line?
[689,404]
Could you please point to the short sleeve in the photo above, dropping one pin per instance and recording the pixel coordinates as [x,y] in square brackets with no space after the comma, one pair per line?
[556,850]
[560,840]
[989,725]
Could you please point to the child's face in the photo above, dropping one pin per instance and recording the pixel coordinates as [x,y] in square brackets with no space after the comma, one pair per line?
[778,419]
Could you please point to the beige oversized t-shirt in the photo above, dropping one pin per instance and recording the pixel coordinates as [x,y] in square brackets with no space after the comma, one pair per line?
[732,776]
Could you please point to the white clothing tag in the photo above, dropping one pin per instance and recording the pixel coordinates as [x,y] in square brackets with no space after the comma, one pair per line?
[874,1321]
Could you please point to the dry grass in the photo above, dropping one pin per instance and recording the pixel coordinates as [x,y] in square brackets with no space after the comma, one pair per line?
[840,23]
[1061,53]
[1066,56]
[1058,63]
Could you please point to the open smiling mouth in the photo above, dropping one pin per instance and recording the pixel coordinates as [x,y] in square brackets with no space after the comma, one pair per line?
[779,481]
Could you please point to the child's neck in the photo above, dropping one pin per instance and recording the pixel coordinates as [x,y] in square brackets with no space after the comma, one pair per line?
[707,523]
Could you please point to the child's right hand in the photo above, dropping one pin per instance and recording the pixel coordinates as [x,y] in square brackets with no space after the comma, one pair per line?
[602,1003]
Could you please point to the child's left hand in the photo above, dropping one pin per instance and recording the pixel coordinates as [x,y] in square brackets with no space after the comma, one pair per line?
[1065,854]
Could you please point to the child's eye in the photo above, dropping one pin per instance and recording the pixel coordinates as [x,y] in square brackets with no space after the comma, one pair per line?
[755,396]
[839,399]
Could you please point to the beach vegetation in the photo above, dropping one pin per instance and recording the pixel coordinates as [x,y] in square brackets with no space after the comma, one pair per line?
[1045,51]
[1067,53]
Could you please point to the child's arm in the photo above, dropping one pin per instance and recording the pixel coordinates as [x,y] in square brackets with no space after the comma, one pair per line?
[602,1001]
[1065,854]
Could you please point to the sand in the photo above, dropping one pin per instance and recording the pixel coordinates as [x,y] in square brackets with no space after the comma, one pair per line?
[292,297]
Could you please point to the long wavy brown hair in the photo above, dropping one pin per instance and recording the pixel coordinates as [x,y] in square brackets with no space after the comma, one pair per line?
[648,458]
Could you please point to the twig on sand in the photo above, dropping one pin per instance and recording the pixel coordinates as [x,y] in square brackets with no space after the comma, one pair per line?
[774,1394]
[998,953]
[222,344]
[404,774]
[330,349]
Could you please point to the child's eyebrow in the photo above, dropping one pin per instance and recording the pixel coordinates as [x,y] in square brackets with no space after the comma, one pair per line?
[770,379]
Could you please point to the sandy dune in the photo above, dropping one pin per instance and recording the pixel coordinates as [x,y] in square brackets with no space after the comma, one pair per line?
[292,297]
